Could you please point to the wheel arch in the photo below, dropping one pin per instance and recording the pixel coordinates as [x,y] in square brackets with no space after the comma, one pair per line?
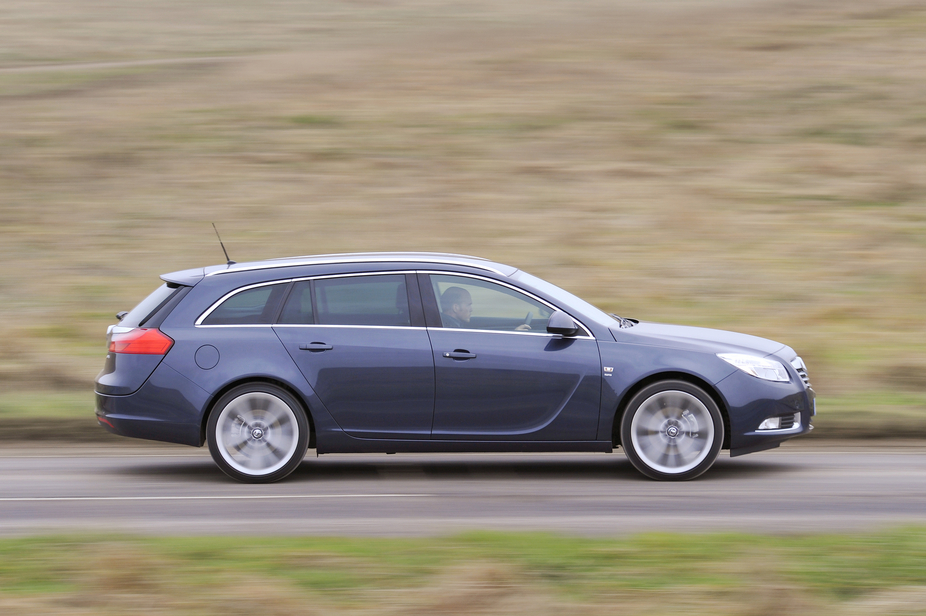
[670,376]
[210,406]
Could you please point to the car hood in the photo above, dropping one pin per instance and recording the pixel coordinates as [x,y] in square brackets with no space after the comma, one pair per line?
[696,339]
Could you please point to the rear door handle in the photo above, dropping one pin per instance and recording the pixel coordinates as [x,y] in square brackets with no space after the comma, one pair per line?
[460,354]
[315,346]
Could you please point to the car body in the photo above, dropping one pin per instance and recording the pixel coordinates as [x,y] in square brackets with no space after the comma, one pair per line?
[358,353]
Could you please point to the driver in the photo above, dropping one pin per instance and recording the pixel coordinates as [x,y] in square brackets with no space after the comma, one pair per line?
[457,307]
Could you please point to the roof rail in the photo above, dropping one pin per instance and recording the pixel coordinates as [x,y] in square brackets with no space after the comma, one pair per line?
[371,257]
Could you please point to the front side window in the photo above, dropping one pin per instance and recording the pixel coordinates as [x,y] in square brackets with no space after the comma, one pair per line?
[362,300]
[255,306]
[472,303]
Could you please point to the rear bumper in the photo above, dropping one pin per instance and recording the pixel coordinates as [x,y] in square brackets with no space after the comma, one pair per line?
[168,407]
[148,428]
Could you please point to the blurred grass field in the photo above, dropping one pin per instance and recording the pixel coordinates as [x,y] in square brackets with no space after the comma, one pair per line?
[754,165]
[478,573]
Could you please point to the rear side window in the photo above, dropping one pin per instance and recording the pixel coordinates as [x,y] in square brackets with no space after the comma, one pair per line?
[362,300]
[255,306]
[141,313]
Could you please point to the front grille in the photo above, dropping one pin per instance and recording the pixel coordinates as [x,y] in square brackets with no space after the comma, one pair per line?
[798,365]
[787,422]
[804,377]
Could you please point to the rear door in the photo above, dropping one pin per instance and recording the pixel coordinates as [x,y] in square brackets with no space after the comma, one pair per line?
[363,347]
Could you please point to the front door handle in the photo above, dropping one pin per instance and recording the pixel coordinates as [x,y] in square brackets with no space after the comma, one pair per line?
[315,346]
[460,354]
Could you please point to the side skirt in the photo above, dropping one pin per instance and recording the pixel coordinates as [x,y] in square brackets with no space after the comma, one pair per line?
[341,443]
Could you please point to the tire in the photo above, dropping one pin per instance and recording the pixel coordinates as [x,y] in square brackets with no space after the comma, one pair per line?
[672,431]
[257,433]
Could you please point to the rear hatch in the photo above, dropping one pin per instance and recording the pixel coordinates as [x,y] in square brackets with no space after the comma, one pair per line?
[135,345]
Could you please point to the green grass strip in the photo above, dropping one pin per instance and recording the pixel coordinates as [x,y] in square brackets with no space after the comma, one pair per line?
[470,573]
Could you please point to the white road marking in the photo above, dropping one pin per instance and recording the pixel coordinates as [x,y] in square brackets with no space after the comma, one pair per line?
[40,499]
[27,456]
[41,68]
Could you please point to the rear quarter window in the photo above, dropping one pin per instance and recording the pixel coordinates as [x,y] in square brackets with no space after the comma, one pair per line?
[254,306]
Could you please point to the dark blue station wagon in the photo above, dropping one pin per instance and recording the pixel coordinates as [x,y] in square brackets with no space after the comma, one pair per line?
[423,352]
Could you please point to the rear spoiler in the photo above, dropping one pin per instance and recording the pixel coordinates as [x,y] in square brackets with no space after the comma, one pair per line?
[186,278]
[190,277]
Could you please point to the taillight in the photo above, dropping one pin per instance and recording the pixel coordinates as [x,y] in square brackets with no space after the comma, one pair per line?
[140,341]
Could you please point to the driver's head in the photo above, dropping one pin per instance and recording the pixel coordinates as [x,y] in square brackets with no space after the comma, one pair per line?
[457,303]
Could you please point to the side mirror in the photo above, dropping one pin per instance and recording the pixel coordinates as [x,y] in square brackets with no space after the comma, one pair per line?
[562,324]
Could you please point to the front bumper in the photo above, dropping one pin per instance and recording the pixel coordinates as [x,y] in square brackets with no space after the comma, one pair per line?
[750,401]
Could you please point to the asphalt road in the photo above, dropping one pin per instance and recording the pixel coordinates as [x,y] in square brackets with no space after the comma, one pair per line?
[806,487]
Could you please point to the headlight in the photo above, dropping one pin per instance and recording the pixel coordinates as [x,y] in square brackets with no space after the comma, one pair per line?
[760,367]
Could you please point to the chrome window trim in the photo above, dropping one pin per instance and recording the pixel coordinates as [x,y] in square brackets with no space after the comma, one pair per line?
[543,334]
[588,332]
[238,325]
[199,322]
[216,304]
[349,260]
[315,325]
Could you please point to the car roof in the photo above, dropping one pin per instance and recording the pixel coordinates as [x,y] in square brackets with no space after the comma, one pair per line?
[438,258]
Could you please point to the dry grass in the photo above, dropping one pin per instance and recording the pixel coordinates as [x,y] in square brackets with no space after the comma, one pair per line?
[751,165]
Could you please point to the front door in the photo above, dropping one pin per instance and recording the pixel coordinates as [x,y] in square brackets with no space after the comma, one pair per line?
[500,375]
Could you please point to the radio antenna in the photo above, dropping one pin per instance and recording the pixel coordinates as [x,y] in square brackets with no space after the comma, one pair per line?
[230,262]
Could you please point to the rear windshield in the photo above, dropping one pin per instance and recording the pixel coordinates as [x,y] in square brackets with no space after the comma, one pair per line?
[145,310]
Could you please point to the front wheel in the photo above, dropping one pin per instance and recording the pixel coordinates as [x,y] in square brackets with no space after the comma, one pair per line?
[257,433]
[672,430]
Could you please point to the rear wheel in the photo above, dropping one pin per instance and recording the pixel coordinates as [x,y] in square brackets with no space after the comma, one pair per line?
[672,430]
[257,433]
